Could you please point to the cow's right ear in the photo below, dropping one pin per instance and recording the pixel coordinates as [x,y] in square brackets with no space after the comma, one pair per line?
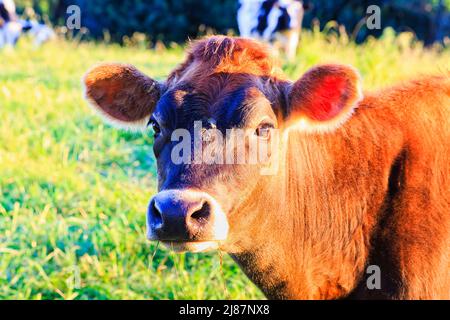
[122,95]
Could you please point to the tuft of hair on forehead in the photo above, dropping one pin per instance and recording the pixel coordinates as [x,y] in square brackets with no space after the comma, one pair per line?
[220,50]
[224,54]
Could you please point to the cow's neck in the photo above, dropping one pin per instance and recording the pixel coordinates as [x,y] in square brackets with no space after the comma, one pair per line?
[311,240]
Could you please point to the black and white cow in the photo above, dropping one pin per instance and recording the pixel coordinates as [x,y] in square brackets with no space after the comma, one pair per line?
[7,11]
[11,28]
[275,21]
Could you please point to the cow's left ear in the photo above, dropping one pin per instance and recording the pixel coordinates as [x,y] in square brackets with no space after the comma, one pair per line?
[323,98]
[121,94]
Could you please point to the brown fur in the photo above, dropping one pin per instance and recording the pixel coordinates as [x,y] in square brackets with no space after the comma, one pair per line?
[226,55]
[374,189]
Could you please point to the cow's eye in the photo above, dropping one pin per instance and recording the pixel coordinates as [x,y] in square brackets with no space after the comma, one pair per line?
[263,130]
[153,124]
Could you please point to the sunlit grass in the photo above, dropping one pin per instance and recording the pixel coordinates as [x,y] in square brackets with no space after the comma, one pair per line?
[74,191]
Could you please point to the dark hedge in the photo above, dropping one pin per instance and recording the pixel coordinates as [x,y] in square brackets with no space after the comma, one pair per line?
[176,20]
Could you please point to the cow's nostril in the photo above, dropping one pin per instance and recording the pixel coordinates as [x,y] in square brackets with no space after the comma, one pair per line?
[155,213]
[185,216]
[202,214]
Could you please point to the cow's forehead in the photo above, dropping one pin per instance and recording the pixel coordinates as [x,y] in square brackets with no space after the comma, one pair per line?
[228,99]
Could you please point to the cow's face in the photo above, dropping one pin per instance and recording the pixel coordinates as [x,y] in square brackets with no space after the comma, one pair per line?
[209,129]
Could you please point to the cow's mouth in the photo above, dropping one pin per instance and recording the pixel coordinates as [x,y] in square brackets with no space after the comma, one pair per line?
[191,246]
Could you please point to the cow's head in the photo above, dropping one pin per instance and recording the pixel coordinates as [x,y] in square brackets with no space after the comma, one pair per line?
[225,83]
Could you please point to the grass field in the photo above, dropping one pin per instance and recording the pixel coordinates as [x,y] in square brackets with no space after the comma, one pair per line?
[73,191]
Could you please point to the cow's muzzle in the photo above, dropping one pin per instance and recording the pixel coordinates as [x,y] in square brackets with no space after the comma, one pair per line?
[186,220]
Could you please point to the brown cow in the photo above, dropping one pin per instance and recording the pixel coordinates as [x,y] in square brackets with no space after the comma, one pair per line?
[361,181]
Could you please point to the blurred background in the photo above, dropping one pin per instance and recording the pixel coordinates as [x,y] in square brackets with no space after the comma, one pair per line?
[74,191]
[178,20]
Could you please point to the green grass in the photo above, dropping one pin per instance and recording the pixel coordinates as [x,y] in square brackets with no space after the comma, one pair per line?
[73,191]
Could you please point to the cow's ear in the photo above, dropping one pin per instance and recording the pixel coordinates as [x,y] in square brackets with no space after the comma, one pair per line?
[122,95]
[323,98]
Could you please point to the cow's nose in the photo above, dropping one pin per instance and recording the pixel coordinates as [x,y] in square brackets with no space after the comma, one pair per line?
[184,215]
